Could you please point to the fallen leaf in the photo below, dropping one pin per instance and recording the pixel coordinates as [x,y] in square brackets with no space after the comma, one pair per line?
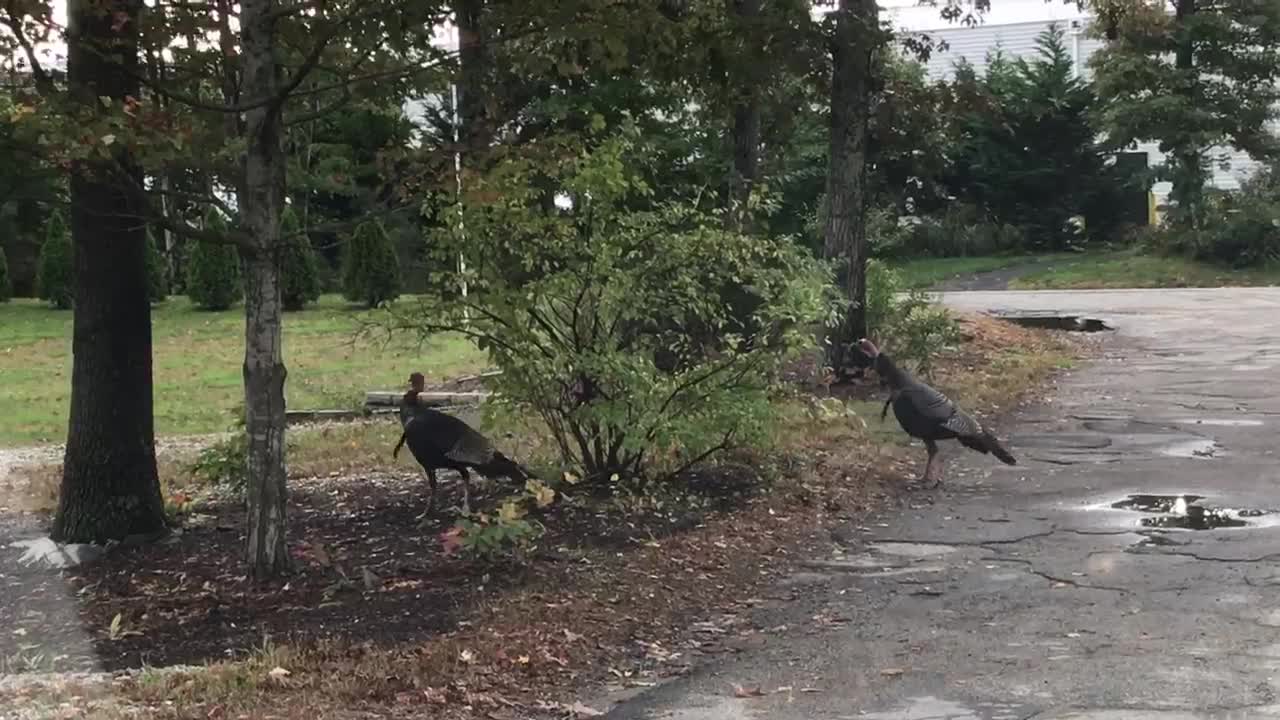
[279,672]
[580,710]
[892,672]
[546,655]
[321,555]
[571,636]
[467,656]
[742,692]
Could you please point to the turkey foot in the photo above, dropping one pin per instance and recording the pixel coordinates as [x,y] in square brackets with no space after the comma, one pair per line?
[934,473]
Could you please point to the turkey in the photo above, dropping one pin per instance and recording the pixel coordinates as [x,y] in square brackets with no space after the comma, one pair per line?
[438,440]
[927,414]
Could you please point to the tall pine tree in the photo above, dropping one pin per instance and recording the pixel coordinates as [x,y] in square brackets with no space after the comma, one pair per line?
[299,270]
[213,270]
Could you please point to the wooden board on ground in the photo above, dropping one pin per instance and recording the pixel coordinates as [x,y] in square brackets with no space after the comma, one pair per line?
[314,416]
[391,398]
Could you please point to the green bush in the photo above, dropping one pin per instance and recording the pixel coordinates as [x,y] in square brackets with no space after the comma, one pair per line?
[224,463]
[157,271]
[57,264]
[6,286]
[299,270]
[506,534]
[913,328]
[886,237]
[371,268]
[1241,229]
[597,316]
[959,231]
[213,269]
[883,285]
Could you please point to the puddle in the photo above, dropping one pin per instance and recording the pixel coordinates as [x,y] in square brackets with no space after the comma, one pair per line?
[1052,321]
[1155,503]
[1180,512]
[1202,448]
[1197,518]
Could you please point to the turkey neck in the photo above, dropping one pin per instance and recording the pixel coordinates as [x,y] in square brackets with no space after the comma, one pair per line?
[894,377]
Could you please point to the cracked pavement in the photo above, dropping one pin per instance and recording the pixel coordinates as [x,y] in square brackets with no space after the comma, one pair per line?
[1019,592]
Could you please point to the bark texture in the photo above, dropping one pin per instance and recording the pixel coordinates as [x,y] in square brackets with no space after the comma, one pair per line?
[745,86]
[472,74]
[853,48]
[261,201]
[109,485]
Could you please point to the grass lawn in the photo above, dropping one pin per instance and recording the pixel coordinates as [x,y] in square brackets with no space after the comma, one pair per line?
[1099,270]
[926,272]
[198,359]
[1130,269]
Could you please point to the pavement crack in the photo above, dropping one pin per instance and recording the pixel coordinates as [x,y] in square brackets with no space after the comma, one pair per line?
[1016,540]
[1004,541]
[1196,556]
[1031,568]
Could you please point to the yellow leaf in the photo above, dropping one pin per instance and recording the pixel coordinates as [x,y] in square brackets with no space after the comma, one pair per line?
[542,494]
[509,512]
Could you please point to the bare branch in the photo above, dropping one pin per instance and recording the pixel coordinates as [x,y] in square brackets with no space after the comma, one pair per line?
[13,20]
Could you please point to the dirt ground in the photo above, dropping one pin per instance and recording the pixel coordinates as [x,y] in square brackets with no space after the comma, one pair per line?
[377,618]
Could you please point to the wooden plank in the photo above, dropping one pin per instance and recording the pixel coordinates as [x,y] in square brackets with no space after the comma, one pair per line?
[391,398]
[294,417]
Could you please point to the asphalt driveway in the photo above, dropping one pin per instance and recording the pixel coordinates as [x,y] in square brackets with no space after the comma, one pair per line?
[1022,592]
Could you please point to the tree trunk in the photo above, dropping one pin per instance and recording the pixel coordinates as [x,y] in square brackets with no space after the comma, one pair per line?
[745,134]
[1189,174]
[853,47]
[109,485]
[471,78]
[261,201]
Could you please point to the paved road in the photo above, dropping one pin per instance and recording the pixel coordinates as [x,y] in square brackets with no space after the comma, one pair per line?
[1020,592]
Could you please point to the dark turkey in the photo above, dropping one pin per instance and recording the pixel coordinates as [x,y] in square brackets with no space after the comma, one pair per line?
[441,441]
[927,414]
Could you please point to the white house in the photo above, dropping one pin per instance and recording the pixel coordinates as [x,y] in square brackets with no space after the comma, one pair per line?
[1012,27]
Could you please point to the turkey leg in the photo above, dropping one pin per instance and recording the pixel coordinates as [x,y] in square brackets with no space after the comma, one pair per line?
[466,491]
[431,497]
[929,473]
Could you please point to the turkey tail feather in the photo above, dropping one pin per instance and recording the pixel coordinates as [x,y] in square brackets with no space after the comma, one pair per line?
[503,466]
[999,451]
[988,443]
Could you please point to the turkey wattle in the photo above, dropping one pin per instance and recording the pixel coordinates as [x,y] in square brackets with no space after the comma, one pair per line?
[927,414]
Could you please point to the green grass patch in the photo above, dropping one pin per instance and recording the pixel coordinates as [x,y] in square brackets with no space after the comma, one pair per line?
[1131,269]
[198,360]
[927,272]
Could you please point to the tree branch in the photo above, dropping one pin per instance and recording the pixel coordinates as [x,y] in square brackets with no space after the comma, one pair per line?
[13,20]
